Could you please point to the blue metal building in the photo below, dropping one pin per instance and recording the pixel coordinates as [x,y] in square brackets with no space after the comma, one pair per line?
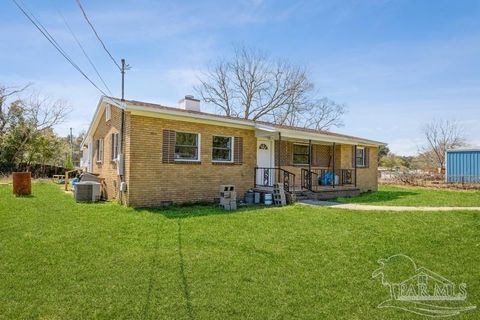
[463,165]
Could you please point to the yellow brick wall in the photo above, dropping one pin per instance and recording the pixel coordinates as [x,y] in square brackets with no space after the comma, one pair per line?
[367,178]
[151,181]
[107,168]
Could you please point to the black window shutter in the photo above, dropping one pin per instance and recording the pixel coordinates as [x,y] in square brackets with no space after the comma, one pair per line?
[168,146]
[238,150]
[354,157]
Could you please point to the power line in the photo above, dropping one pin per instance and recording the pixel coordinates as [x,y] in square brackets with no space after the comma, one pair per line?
[83,50]
[31,17]
[96,34]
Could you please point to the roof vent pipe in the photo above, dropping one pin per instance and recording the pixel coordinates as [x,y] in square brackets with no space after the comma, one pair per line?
[189,103]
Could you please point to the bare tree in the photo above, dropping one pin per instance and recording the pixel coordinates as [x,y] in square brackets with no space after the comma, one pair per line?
[320,114]
[24,120]
[39,111]
[441,135]
[5,94]
[253,86]
[43,112]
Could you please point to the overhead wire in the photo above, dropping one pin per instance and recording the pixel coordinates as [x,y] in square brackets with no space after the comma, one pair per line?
[84,51]
[31,17]
[97,35]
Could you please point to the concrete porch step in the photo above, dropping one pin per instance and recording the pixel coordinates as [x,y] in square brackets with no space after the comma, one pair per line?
[322,194]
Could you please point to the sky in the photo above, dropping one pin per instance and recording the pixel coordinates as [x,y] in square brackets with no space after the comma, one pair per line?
[397,65]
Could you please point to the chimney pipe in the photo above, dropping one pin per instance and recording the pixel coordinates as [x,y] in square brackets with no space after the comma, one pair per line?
[189,103]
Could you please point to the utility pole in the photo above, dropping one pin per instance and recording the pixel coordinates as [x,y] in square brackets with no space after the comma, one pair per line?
[122,118]
[123,79]
[122,132]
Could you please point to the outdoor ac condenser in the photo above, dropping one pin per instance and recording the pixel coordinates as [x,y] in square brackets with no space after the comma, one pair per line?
[87,191]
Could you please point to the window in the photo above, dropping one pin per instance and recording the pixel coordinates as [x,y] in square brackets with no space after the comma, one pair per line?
[222,149]
[301,154]
[99,147]
[186,146]
[115,147]
[360,157]
[108,112]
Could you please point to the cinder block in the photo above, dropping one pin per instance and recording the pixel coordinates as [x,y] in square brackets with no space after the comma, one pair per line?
[227,188]
[232,205]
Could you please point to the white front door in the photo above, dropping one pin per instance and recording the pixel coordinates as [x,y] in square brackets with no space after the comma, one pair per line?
[265,162]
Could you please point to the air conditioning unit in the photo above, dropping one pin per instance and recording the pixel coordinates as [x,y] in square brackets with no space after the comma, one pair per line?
[87,191]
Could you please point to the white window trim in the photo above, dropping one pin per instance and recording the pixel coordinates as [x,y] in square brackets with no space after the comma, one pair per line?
[108,112]
[115,146]
[364,164]
[293,154]
[100,150]
[198,147]
[232,152]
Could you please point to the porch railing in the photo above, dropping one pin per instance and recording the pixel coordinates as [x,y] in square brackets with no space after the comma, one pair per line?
[267,177]
[325,177]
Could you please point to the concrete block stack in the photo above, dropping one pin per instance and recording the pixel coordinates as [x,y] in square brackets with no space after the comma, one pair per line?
[228,197]
[279,197]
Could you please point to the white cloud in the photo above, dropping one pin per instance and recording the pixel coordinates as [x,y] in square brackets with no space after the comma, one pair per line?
[405,147]
[184,79]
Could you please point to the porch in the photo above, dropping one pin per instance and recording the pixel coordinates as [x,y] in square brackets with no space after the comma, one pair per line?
[307,166]
[312,183]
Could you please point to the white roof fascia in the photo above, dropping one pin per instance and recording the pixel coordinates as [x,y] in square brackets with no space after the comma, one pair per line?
[263,127]
[96,118]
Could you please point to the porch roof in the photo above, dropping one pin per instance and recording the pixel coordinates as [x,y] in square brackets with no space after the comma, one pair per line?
[304,135]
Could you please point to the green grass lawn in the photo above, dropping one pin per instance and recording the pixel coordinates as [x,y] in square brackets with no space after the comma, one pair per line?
[62,260]
[417,196]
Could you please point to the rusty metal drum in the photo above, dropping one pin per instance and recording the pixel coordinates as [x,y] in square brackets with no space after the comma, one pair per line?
[22,183]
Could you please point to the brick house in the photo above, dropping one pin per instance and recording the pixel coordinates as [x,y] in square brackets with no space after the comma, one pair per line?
[175,155]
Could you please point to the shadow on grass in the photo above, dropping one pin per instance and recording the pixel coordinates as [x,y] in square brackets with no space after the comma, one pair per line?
[196,210]
[30,196]
[379,196]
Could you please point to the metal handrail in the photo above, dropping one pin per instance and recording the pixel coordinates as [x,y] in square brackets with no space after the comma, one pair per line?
[310,179]
[273,175]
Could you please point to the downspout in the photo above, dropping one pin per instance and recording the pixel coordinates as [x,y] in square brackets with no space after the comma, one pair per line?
[121,160]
